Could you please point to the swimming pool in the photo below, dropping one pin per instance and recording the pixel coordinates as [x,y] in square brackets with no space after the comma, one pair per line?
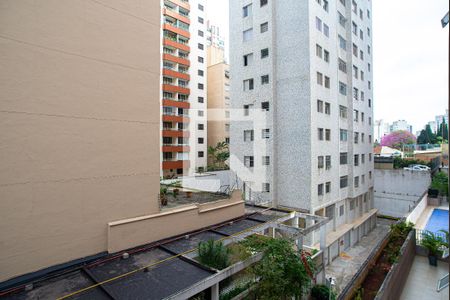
[438,220]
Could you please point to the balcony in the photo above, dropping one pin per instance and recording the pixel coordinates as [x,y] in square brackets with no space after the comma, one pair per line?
[175,103]
[175,164]
[175,118]
[176,74]
[174,132]
[174,14]
[175,148]
[175,89]
[173,28]
[168,41]
[176,59]
[181,3]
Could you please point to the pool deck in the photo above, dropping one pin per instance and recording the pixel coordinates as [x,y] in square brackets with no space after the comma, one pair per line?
[422,221]
[422,281]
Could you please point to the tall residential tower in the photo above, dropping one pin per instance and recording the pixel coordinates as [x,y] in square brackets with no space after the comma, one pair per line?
[302,108]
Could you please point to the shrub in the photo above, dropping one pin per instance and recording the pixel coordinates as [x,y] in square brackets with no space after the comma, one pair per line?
[322,292]
[440,183]
[214,254]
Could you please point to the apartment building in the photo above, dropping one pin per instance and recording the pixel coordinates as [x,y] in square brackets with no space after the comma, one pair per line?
[302,105]
[184,84]
[218,97]
[80,126]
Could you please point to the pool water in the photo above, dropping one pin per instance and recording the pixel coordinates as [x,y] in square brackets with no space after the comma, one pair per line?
[438,220]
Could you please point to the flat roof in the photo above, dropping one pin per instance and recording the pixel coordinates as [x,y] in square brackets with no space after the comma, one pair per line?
[168,271]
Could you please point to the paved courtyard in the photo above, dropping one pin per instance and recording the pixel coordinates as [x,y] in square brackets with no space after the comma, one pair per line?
[422,281]
[348,263]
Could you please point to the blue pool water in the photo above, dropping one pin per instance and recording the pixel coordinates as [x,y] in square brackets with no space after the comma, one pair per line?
[438,220]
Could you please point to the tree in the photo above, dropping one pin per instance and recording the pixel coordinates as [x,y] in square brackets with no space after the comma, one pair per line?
[219,155]
[398,139]
[443,131]
[214,254]
[426,136]
[281,272]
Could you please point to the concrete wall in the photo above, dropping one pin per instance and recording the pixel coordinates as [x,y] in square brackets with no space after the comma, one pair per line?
[418,210]
[398,191]
[138,231]
[79,123]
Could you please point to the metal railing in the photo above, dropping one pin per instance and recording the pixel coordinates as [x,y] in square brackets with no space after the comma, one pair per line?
[421,233]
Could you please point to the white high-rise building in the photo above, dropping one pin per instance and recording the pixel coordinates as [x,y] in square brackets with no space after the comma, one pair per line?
[302,106]
[400,125]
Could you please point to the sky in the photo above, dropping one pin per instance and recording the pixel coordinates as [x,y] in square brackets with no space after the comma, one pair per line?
[410,57]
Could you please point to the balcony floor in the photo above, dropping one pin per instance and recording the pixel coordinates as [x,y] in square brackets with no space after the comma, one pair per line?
[422,281]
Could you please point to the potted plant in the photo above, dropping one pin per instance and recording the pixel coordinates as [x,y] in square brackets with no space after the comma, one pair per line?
[432,243]
[163,195]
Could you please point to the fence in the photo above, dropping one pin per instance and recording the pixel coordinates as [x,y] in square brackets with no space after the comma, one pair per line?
[421,233]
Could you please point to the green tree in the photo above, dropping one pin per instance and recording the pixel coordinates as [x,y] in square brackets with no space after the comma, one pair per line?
[219,155]
[426,136]
[214,254]
[443,131]
[281,271]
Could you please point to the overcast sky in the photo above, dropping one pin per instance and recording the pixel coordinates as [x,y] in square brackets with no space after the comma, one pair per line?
[410,57]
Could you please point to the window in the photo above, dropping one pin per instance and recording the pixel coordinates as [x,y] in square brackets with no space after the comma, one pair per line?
[248,58]
[319,78]
[318,51]
[352,204]
[354,7]
[200,113]
[247,109]
[200,59]
[363,158]
[342,88]
[356,160]
[342,20]
[328,162]
[320,162]
[368,31]
[265,106]
[354,28]
[319,24]
[368,14]
[343,112]
[343,159]
[248,35]
[326,56]
[341,210]
[201,99]
[248,135]
[266,160]
[355,50]
[327,108]
[200,7]
[201,154]
[320,189]
[200,126]
[362,96]
[342,43]
[200,46]
[201,73]
[263,2]
[343,182]
[369,85]
[356,137]
[361,54]
[355,71]
[248,85]
[369,103]
[343,135]
[265,133]
[325,5]
[361,73]
[368,49]
[265,53]
[248,161]
[363,180]
[201,140]
[201,86]
[356,181]
[328,134]
[200,33]
[264,79]
[370,156]
[200,20]
[320,134]
[342,66]
[326,30]
[370,174]
[320,106]
[361,34]
[328,187]
[370,138]
[266,187]
[342,2]
[247,11]
[264,27]
[362,117]
[361,14]
[327,82]
[355,94]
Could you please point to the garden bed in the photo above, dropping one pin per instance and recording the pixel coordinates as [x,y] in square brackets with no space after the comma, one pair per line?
[389,256]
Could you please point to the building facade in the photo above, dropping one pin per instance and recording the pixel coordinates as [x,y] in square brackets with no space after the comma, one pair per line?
[80,126]
[302,105]
[401,125]
[184,85]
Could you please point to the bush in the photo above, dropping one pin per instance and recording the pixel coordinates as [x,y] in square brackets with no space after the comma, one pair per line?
[400,163]
[322,292]
[440,183]
[214,254]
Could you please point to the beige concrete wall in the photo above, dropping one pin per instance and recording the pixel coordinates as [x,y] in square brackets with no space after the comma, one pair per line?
[217,103]
[79,125]
[138,231]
